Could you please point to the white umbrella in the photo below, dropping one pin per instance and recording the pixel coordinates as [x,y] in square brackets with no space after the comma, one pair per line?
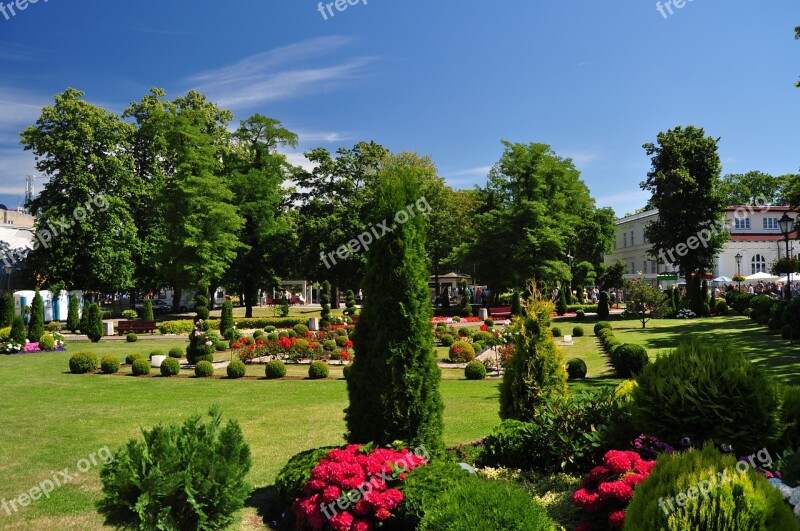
[722,279]
[761,276]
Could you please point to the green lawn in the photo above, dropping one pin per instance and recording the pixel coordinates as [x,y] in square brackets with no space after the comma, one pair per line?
[52,419]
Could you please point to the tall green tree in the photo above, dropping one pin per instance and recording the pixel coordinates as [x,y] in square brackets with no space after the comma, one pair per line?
[73,314]
[393,386]
[751,188]
[257,172]
[7,310]
[85,232]
[36,323]
[685,185]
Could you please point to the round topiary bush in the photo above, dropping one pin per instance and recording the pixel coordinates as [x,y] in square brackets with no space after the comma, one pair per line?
[685,491]
[462,351]
[236,369]
[318,370]
[272,336]
[176,352]
[482,336]
[82,362]
[156,353]
[464,506]
[291,333]
[300,329]
[602,325]
[446,340]
[140,367]
[131,338]
[721,308]
[577,331]
[629,359]
[47,342]
[275,369]
[221,346]
[329,345]
[341,332]
[708,391]
[556,331]
[489,322]
[347,369]
[130,358]
[576,368]
[421,490]
[269,329]
[203,369]
[475,370]
[580,315]
[341,341]
[464,332]
[109,364]
[259,334]
[170,367]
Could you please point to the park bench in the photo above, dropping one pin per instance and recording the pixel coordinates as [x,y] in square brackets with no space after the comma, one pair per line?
[136,326]
[500,311]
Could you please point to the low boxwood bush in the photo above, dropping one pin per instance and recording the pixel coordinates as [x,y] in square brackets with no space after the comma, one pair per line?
[577,331]
[482,336]
[341,341]
[203,369]
[629,359]
[475,370]
[296,472]
[318,370]
[140,367]
[131,338]
[189,476]
[347,370]
[221,346]
[576,368]
[156,353]
[464,507]
[461,351]
[580,315]
[82,362]
[602,325]
[275,369]
[446,340]
[721,308]
[422,489]
[488,322]
[708,392]
[47,342]
[464,332]
[109,364]
[556,331]
[170,367]
[744,499]
[130,358]
[236,369]
[176,352]
[301,329]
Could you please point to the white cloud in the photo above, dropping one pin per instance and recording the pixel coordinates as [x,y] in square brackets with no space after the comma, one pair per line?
[298,159]
[480,171]
[19,108]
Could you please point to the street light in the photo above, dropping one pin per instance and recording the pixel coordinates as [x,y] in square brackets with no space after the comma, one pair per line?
[9,268]
[739,269]
[786,223]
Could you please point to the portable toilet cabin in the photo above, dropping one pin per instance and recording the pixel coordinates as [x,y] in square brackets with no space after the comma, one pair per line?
[60,307]
[22,299]
[47,305]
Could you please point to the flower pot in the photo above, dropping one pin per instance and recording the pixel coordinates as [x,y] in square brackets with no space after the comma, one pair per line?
[156,361]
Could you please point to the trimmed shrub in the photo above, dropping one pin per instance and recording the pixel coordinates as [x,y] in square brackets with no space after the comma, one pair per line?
[140,367]
[341,341]
[155,353]
[221,346]
[170,367]
[226,320]
[464,332]
[475,370]
[296,472]
[275,369]
[577,331]
[629,359]
[318,370]
[18,331]
[739,501]
[73,311]
[602,306]
[147,310]
[94,323]
[47,342]
[463,507]
[204,369]
[82,362]
[556,331]
[199,482]
[422,489]
[329,345]
[346,370]
[109,364]
[790,417]
[36,322]
[446,340]
[482,336]
[602,325]
[478,347]
[576,368]
[236,369]
[488,322]
[300,329]
[580,315]
[176,352]
[721,307]
[462,351]
[130,358]
[131,338]
[708,392]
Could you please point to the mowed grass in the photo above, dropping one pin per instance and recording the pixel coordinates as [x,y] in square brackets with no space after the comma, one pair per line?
[52,419]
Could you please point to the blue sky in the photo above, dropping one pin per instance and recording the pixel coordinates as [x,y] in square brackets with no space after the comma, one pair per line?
[595,80]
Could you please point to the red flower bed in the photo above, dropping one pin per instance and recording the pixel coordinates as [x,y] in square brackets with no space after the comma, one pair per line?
[351,488]
[608,489]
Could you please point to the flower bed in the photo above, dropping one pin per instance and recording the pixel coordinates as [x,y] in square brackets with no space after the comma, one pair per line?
[10,347]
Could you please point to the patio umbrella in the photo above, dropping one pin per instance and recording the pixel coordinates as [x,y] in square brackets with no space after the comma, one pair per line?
[766,277]
[722,279]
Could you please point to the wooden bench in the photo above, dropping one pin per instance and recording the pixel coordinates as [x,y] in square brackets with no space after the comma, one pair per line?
[136,326]
[500,311]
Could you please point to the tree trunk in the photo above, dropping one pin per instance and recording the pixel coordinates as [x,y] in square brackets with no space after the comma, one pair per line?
[176,299]
[249,296]
[335,295]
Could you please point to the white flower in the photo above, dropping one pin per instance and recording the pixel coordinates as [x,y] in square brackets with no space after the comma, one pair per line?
[209,343]
[27,341]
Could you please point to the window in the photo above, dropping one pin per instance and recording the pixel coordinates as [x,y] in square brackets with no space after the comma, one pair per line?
[633,268]
[770,223]
[625,239]
[644,235]
[741,223]
[758,265]
[632,238]
[644,266]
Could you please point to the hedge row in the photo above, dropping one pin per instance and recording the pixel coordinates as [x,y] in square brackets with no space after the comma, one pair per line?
[185,326]
[628,359]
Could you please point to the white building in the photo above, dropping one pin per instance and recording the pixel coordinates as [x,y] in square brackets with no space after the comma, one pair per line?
[755,236]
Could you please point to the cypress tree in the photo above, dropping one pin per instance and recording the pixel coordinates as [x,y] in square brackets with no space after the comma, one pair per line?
[676,298]
[703,296]
[73,315]
[36,323]
[325,301]
[94,323]
[147,310]
[226,320]
[561,303]
[18,331]
[350,304]
[393,385]
[9,310]
[515,304]
[602,306]
[201,301]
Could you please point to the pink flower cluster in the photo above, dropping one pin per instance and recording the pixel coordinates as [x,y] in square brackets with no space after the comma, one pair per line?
[350,489]
[608,488]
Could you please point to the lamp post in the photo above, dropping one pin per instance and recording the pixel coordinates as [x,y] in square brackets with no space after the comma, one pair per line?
[8,269]
[738,258]
[786,223]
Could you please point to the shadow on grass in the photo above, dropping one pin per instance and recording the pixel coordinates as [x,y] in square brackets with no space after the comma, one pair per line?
[267,503]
